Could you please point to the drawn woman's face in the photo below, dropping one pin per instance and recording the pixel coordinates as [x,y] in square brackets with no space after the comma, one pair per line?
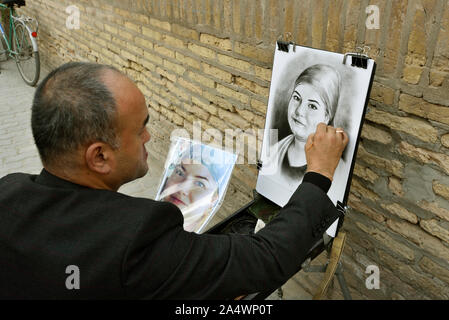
[305,111]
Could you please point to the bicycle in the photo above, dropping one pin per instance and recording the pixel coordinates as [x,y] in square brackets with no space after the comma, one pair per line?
[21,43]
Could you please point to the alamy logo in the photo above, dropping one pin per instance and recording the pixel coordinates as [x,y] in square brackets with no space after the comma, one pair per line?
[372,21]
[73,20]
[372,282]
[73,280]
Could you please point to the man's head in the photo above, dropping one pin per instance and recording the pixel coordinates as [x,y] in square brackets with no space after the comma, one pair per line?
[88,122]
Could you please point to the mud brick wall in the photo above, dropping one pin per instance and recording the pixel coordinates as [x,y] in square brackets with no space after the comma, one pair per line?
[211,60]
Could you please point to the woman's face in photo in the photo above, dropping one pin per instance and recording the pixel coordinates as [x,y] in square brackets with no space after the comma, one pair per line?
[191,187]
[305,111]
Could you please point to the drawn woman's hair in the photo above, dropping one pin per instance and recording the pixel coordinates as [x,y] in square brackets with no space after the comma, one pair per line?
[326,80]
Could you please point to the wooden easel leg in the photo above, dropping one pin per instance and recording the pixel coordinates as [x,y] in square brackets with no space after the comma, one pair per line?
[333,267]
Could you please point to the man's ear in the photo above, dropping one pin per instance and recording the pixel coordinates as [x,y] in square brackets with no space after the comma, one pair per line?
[99,157]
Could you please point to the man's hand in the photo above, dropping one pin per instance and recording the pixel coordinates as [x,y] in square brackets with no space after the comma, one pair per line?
[324,149]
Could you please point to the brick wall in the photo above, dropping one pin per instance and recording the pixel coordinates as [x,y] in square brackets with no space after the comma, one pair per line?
[210,61]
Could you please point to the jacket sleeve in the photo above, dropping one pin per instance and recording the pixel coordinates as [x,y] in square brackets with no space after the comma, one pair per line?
[181,265]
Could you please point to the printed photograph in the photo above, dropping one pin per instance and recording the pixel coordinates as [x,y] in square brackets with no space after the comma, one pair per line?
[195,179]
[309,86]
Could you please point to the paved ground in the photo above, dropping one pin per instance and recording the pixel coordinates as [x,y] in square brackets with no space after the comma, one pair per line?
[17,150]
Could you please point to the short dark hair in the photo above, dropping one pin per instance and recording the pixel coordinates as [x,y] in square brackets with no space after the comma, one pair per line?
[71,108]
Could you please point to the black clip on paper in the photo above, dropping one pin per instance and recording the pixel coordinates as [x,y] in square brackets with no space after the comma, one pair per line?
[342,208]
[283,45]
[259,165]
[359,59]
[359,62]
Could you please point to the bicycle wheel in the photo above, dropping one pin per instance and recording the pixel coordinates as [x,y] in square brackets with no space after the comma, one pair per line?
[27,59]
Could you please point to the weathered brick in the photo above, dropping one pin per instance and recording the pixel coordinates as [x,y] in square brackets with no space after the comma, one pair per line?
[233,94]
[233,118]
[175,42]
[416,55]
[401,212]
[259,106]
[256,53]
[360,190]
[381,93]
[365,173]
[392,166]
[170,76]
[151,33]
[425,156]
[174,67]
[196,111]
[417,128]
[411,276]
[334,27]
[357,204]
[189,85]
[222,44]
[434,208]
[218,101]
[202,51]
[128,55]
[185,32]
[433,268]
[210,108]
[132,26]
[388,242]
[419,107]
[160,24]
[153,58]
[252,86]
[440,63]
[235,63]
[217,73]
[393,37]
[145,43]
[218,123]
[420,238]
[440,189]
[395,185]
[445,140]
[188,60]
[262,73]
[205,81]
[374,134]
[434,228]
[164,51]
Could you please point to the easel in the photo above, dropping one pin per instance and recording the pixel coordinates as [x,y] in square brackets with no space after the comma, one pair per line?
[332,267]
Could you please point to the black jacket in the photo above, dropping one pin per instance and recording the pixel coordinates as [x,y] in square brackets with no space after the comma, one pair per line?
[126,247]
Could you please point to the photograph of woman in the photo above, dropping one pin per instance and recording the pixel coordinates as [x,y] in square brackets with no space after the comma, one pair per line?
[309,86]
[195,180]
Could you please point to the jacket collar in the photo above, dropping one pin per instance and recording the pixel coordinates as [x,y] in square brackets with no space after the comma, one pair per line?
[48,179]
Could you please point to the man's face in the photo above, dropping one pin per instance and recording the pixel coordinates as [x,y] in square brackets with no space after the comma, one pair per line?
[131,156]
[191,187]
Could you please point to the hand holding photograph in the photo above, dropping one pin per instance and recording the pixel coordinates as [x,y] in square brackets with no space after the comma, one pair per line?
[195,179]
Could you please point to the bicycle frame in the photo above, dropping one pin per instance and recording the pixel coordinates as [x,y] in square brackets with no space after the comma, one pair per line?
[12,30]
